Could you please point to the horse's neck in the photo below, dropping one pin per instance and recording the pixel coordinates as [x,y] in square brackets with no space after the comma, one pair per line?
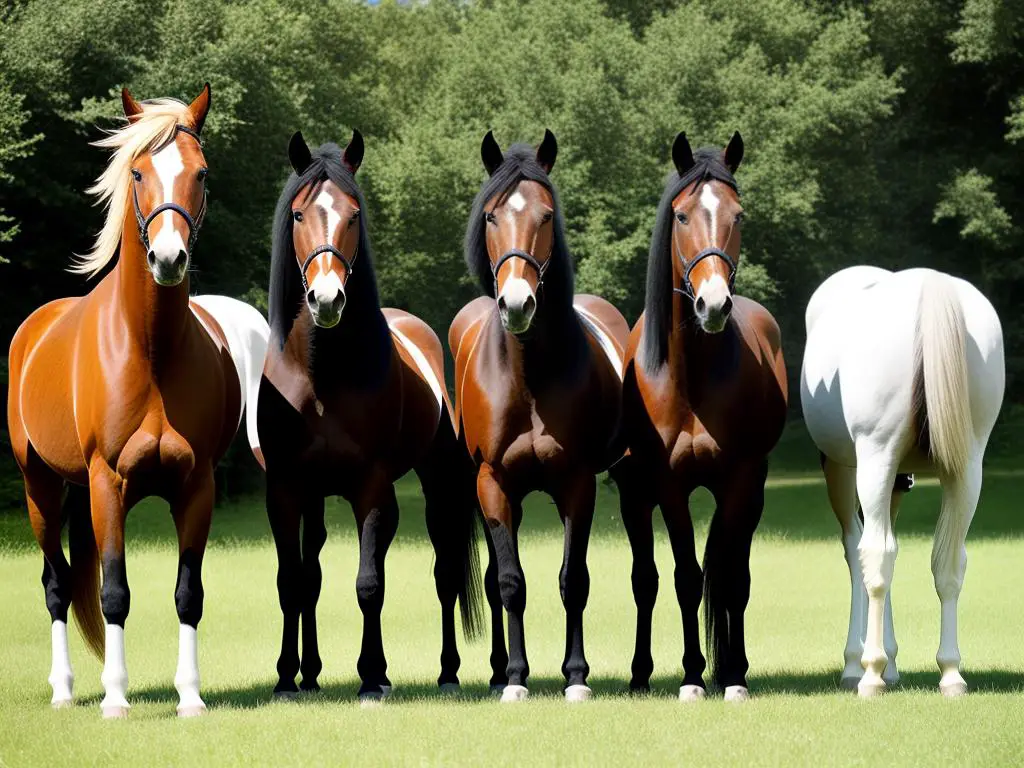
[356,352]
[155,315]
[550,351]
[691,351]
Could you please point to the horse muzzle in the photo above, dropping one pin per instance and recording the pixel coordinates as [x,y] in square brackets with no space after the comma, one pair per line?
[517,305]
[713,307]
[168,266]
[326,301]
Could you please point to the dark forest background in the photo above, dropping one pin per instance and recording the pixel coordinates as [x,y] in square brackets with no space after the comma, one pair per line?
[888,132]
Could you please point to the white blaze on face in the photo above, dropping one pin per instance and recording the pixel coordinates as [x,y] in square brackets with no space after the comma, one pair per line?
[710,201]
[517,202]
[168,164]
[714,290]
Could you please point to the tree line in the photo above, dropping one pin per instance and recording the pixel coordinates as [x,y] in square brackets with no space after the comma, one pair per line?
[883,131]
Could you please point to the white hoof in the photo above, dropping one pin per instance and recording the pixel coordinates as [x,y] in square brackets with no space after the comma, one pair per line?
[736,693]
[691,693]
[575,693]
[514,693]
[450,689]
[869,689]
[115,713]
[195,710]
[62,703]
[953,689]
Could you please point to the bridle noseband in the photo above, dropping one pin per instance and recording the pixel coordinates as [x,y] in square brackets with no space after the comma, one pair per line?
[529,258]
[325,248]
[193,224]
[687,289]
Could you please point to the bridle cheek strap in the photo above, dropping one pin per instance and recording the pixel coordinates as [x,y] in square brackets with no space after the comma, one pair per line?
[687,289]
[325,248]
[529,258]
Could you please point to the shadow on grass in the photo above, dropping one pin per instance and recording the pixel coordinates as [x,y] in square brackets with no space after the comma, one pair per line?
[662,687]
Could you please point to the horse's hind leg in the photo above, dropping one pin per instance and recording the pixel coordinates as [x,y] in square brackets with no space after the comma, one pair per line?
[192,514]
[314,536]
[876,472]
[575,502]
[949,563]
[43,494]
[499,654]
[377,521]
[841,482]
[636,506]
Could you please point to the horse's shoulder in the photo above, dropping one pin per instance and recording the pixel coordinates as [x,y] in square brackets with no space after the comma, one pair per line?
[420,350]
[609,317]
[470,316]
[760,319]
[36,325]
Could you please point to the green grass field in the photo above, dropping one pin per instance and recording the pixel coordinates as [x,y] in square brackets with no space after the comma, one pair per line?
[796,629]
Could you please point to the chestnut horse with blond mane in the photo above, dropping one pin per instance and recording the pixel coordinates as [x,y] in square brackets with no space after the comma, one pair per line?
[130,391]
[704,403]
[538,395]
[353,397]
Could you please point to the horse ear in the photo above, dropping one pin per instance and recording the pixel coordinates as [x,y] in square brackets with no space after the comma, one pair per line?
[490,153]
[353,155]
[733,154]
[547,151]
[298,153]
[682,155]
[199,107]
[132,108]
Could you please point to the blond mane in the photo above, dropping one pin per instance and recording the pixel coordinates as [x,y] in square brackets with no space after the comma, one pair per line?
[152,129]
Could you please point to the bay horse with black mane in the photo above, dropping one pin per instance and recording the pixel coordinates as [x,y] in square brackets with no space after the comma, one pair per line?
[538,394]
[347,406]
[130,391]
[705,402]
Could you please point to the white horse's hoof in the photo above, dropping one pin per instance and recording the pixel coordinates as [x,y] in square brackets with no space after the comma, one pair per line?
[450,689]
[954,690]
[869,689]
[575,693]
[115,713]
[514,693]
[736,693]
[62,703]
[192,711]
[497,689]
[689,693]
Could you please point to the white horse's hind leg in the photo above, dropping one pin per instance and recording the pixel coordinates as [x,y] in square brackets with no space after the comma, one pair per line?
[891,674]
[61,678]
[875,476]
[949,563]
[841,482]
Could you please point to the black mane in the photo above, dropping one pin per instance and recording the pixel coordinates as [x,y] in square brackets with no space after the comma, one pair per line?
[708,166]
[285,297]
[520,164]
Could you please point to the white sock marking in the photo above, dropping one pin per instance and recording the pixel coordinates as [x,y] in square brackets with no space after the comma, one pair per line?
[186,679]
[115,670]
[61,677]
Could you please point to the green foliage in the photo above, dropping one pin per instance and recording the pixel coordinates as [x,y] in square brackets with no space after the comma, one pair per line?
[875,132]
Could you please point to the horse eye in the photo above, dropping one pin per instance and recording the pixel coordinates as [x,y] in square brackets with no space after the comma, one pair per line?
[136,174]
[491,218]
[202,174]
[354,216]
[740,217]
[681,217]
[546,218]
[297,215]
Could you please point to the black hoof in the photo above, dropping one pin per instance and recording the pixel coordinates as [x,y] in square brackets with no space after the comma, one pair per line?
[311,686]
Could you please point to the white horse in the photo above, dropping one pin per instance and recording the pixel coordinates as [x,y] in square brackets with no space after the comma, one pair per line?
[903,372]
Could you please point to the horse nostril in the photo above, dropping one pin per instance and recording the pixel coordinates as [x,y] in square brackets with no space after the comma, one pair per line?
[700,304]
[727,306]
[502,304]
[529,306]
[310,298]
[180,260]
[339,302]
[151,259]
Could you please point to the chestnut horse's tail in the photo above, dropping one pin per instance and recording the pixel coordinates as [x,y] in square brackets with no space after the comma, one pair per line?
[85,569]
[716,586]
[942,406]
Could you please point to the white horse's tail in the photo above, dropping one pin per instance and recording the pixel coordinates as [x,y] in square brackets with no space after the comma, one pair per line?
[942,402]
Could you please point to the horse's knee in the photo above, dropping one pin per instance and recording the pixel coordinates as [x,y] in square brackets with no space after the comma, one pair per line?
[188,595]
[877,562]
[512,588]
[115,597]
[689,583]
[369,589]
[645,584]
[574,585]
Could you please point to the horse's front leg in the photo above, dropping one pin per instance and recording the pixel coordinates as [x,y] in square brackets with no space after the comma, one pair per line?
[192,513]
[575,501]
[376,511]
[503,517]
[106,504]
